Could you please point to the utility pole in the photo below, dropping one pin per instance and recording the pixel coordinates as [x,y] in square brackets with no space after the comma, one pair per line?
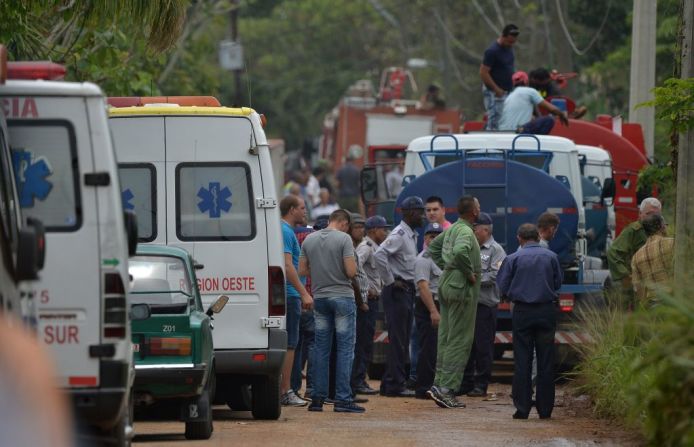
[234,15]
[684,225]
[642,74]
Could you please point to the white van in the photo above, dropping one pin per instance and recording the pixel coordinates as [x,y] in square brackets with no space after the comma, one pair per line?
[67,178]
[200,178]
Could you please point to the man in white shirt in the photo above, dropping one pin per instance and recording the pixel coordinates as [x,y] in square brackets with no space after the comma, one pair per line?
[519,106]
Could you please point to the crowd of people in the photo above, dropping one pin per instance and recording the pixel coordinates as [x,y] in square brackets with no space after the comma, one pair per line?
[439,303]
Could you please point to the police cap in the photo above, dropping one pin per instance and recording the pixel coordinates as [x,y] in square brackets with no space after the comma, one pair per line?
[376,222]
[433,227]
[412,203]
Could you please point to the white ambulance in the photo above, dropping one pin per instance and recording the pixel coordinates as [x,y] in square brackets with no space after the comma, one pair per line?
[67,178]
[199,177]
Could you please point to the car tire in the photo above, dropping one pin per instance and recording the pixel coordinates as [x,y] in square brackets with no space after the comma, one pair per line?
[203,429]
[265,399]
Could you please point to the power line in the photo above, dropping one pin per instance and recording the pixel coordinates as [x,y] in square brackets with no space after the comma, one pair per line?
[454,40]
[568,35]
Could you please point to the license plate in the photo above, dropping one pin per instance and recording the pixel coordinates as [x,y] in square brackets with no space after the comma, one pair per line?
[136,347]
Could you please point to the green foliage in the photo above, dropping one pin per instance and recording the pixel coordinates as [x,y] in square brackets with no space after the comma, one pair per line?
[640,368]
[660,176]
[674,102]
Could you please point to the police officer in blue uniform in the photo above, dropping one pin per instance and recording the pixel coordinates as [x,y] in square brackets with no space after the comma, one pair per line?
[395,259]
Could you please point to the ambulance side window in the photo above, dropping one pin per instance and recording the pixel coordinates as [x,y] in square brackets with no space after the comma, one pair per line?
[214,202]
[138,191]
[44,159]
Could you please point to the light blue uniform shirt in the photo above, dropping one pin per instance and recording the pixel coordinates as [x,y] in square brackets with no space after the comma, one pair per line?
[396,255]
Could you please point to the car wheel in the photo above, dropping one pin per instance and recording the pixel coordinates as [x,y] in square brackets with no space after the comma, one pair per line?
[203,429]
[265,399]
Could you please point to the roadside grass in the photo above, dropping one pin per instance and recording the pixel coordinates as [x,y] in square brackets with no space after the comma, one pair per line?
[640,368]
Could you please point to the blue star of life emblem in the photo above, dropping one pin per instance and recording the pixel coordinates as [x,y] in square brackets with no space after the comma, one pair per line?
[31,176]
[214,200]
[126,197]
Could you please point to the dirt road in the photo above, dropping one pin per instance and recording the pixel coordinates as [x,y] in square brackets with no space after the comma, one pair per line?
[403,422]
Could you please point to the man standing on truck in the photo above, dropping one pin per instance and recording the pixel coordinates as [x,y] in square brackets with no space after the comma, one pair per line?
[457,252]
[478,371]
[496,71]
[625,245]
[328,256]
[395,260]
[376,232]
[531,278]
[518,111]
[293,212]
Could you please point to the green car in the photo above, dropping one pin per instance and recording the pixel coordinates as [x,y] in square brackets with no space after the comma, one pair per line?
[174,356]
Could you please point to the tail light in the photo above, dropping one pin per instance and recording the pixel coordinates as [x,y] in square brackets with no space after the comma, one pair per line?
[277,298]
[169,346]
[566,302]
[115,306]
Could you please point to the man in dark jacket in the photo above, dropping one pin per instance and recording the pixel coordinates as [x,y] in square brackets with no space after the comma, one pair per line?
[531,278]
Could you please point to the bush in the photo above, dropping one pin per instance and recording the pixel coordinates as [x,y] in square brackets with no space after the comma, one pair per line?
[640,368]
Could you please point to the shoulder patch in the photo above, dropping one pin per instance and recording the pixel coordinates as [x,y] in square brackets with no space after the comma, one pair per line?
[401,232]
[369,243]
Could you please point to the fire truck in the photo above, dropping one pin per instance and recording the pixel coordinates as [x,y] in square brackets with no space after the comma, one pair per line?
[375,126]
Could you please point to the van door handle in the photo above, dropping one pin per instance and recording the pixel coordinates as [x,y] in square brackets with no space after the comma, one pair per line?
[97,179]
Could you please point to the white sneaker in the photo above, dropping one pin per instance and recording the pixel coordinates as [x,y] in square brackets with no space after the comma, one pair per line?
[290,399]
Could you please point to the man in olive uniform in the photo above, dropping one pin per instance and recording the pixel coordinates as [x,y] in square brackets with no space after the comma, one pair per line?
[457,252]
[625,245]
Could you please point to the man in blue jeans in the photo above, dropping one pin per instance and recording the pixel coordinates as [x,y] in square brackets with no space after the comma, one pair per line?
[328,257]
[496,71]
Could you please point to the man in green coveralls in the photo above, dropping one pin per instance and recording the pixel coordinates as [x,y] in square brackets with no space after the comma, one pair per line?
[625,245]
[457,253]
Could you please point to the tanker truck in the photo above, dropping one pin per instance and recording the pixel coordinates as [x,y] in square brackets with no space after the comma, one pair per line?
[516,178]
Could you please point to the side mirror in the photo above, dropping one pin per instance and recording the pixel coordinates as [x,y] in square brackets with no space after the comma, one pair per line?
[140,311]
[218,305]
[27,266]
[369,184]
[608,188]
[131,231]
[40,232]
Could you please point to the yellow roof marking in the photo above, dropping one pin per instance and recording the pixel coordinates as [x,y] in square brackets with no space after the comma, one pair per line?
[186,110]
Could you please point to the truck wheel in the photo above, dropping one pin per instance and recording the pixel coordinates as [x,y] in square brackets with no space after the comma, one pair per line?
[376,371]
[122,433]
[203,429]
[239,398]
[265,399]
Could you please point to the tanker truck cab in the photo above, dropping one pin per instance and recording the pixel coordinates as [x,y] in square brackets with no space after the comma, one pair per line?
[556,156]
[599,191]
[66,175]
[199,177]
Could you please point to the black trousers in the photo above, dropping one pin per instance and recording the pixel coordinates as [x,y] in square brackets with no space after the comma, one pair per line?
[478,371]
[428,339]
[364,344]
[397,304]
[534,326]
